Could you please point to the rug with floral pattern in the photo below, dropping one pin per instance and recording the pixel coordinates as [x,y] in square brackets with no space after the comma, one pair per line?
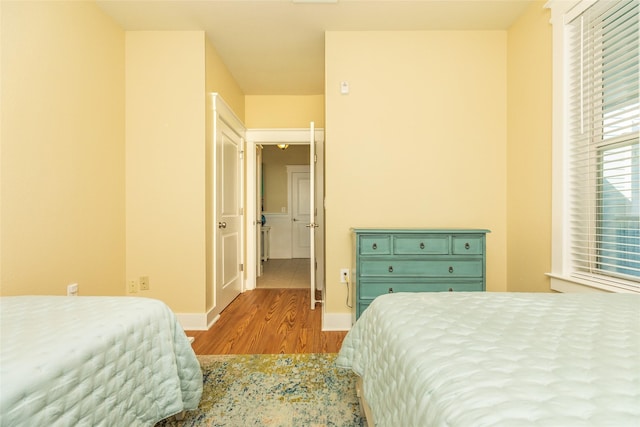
[274,390]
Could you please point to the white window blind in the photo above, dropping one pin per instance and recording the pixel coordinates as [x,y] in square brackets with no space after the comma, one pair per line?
[603,150]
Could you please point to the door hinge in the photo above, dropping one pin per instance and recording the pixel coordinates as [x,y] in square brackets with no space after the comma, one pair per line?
[241,154]
[315,158]
[241,211]
[241,267]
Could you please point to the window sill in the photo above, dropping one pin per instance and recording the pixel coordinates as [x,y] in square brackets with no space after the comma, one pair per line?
[568,284]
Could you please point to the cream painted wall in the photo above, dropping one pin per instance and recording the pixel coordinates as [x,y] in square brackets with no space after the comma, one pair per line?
[420,140]
[529,151]
[220,80]
[165,169]
[264,112]
[62,173]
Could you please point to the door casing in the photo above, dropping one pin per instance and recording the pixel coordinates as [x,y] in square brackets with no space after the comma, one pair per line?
[255,137]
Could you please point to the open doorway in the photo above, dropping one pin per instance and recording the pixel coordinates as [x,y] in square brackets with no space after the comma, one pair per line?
[257,141]
[284,204]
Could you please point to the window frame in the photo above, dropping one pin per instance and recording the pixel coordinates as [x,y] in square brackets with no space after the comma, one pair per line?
[562,278]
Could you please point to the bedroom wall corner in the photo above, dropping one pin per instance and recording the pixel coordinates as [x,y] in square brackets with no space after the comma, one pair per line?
[529,151]
[62,149]
[220,80]
[165,166]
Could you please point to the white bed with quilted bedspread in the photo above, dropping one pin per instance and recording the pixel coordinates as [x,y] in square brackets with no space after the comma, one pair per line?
[498,359]
[93,361]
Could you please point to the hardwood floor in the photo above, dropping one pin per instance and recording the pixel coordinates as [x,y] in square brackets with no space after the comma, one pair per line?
[264,321]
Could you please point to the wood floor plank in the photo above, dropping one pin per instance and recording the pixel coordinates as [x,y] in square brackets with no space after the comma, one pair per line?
[264,321]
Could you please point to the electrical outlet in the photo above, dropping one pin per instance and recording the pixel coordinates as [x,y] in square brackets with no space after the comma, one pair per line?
[132,287]
[72,290]
[144,283]
[344,275]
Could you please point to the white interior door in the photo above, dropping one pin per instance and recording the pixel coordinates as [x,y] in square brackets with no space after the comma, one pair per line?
[228,214]
[300,213]
[312,213]
[258,211]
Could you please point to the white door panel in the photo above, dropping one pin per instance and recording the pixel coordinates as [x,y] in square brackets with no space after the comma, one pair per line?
[312,213]
[229,216]
[258,212]
[225,145]
[230,260]
[300,215]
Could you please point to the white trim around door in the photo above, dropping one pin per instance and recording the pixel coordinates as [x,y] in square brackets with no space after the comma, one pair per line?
[255,138]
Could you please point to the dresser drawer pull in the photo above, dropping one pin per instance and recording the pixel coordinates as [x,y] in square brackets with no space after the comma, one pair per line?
[450,269]
[374,246]
[390,290]
[467,246]
[391,269]
[421,245]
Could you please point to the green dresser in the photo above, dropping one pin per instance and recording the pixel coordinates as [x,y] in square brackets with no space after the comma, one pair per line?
[416,260]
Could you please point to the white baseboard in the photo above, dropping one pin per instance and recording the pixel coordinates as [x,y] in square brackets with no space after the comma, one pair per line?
[192,321]
[196,321]
[212,321]
[336,321]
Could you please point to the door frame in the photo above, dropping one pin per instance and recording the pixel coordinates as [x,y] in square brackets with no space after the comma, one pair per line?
[295,136]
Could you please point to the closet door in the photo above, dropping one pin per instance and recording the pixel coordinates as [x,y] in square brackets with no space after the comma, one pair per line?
[226,249]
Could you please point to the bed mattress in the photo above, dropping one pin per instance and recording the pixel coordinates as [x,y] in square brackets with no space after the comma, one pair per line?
[498,359]
[93,361]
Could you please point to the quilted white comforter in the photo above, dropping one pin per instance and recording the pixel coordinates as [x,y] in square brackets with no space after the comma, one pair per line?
[93,361]
[499,359]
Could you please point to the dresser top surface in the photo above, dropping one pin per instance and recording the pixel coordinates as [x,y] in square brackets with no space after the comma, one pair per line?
[400,230]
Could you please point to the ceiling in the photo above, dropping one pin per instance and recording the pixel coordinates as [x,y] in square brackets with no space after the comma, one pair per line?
[276,47]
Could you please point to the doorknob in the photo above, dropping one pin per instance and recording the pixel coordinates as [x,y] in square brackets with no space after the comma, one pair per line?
[222,225]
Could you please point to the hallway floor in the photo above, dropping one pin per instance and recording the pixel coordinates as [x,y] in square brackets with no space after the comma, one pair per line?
[285,274]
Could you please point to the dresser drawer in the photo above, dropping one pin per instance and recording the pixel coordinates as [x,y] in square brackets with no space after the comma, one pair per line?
[422,244]
[370,290]
[362,305]
[467,245]
[421,268]
[375,245]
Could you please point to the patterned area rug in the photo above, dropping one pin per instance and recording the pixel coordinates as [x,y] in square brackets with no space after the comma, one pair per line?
[274,390]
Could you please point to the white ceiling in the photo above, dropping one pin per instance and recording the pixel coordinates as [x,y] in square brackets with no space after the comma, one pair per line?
[276,47]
